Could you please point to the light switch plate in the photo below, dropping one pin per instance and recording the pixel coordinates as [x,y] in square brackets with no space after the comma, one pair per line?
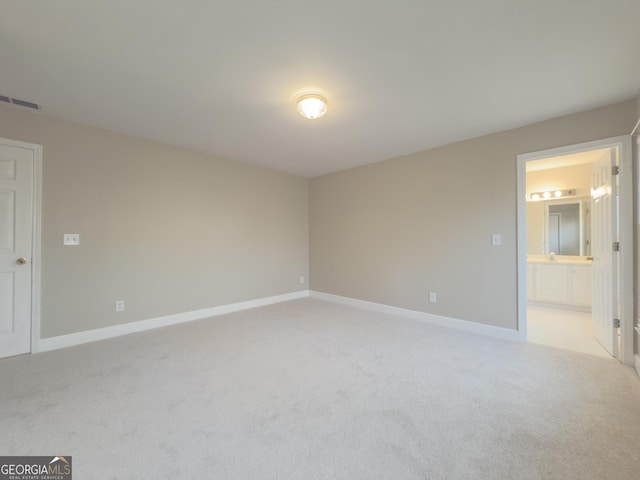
[71,239]
[496,239]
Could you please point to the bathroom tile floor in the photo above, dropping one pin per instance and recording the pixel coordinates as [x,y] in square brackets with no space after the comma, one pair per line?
[562,328]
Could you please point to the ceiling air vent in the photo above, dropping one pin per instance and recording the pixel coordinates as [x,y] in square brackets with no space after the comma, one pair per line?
[20,103]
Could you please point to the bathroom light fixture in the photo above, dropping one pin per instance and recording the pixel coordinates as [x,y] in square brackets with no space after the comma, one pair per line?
[532,197]
[312,106]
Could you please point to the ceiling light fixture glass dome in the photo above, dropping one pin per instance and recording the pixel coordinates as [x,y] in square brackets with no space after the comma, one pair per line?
[312,106]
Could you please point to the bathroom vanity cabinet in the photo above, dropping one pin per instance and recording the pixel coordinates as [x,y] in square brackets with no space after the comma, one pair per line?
[560,283]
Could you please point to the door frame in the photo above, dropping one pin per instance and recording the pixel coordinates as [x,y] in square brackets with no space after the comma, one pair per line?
[36,249]
[626,219]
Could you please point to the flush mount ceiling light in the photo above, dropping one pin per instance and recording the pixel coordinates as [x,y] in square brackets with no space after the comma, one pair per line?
[312,106]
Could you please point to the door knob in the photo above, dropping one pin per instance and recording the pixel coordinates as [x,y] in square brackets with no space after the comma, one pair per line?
[22,261]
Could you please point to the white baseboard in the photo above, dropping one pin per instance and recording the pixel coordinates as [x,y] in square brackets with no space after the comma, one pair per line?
[78,338]
[447,322]
[62,341]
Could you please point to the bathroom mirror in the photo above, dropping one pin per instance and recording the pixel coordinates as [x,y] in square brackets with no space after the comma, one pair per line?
[559,226]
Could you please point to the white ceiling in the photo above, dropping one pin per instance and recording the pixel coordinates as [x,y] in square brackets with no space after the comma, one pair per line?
[401,76]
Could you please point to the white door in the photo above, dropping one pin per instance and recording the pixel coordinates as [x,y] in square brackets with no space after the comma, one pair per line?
[604,233]
[16,240]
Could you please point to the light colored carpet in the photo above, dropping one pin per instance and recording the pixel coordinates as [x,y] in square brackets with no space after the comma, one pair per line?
[314,390]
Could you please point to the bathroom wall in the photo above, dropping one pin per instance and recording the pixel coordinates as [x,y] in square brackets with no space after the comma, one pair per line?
[561,178]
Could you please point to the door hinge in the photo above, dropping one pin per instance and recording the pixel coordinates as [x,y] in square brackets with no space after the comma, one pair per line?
[616,246]
[615,170]
[616,323]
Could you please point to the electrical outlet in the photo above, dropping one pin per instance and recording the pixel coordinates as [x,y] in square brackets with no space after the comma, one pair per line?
[496,240]
[301,280]
[433,297]
[119,305]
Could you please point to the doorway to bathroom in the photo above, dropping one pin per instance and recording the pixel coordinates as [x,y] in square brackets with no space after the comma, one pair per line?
[572,215]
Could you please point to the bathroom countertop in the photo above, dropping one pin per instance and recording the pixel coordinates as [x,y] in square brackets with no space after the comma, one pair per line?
[559,259]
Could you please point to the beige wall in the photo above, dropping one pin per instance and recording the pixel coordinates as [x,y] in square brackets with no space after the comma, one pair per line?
[165,229]
[392,231]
